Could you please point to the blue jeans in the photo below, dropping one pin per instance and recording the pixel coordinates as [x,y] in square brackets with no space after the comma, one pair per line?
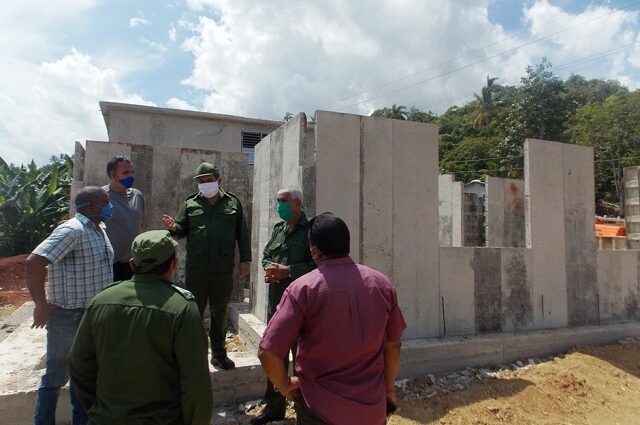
[61,331]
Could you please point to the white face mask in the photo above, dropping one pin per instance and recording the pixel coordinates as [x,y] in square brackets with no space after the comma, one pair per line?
[208,190]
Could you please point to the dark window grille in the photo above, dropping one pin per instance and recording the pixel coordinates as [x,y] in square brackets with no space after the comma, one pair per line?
[249,141]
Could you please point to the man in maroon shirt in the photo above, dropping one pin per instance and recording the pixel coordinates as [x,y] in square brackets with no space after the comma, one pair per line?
[348,324]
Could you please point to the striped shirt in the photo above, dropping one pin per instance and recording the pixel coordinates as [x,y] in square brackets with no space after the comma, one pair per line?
[342,314]
[80,262]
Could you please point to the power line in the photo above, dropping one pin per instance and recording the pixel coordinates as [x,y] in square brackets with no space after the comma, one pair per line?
[480,49]
[563,67]
[486,58]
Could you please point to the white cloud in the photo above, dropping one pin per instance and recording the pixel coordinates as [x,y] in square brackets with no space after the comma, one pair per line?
[172,34]
[49,92]
[155,45]
[176,103]
[55,105]
[136,21]
[262,59]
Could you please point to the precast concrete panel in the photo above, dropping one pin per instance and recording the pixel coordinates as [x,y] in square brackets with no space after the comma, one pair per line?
[629,284]
[450,210]
[377,194]
[610,298]
[457,291]
[545,233]
[292,138]
[338,181]
[416,251]
[163,196]
[580,241]
[494,210]
[517,303]
[260,231]
[504,212]
[487,289]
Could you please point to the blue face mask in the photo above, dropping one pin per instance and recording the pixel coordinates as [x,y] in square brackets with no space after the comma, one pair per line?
[106,212]
[127,182]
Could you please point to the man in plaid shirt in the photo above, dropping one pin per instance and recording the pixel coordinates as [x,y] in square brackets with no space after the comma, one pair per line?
[79,256]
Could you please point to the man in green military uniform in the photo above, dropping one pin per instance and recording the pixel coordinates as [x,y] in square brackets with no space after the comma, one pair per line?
[140,353]
[212,220]
[286,257]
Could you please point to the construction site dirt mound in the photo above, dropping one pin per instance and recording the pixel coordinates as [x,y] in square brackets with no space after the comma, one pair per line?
[13,286]
[597,385]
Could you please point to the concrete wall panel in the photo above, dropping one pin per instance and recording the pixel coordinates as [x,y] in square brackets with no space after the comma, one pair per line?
[545,233]
[416,249]
[338,170]
[457,291]
[377,195]
[487,289]
[260,231]
[450,210]
[610,296]
[517,302]
[504,212]
[96,157]
[580,242]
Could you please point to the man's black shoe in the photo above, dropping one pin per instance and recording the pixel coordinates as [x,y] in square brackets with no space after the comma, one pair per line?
[223,362]
[263,418]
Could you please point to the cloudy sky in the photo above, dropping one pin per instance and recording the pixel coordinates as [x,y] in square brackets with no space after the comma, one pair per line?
[261,59]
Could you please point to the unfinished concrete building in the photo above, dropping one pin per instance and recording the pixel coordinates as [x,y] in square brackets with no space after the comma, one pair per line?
[539,288]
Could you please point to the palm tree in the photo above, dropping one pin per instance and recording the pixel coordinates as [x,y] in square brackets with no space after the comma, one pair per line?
[486,104]
[396,112]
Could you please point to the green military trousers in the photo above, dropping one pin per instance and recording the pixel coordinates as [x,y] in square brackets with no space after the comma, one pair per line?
[216,288]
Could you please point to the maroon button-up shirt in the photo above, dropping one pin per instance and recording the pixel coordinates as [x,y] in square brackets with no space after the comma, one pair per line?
[342,314]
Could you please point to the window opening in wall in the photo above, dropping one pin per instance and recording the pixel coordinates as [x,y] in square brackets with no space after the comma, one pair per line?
[249,141]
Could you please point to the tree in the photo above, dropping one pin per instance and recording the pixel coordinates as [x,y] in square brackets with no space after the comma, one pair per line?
[417,115]
[539,111]
[287,117]
[394,112]
[32,202]
[612,127]
[486,104]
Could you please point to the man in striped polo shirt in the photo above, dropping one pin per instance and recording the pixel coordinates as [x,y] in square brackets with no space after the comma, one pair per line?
[79,259]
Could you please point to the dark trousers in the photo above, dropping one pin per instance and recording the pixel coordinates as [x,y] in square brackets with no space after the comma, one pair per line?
[304,415]
[216,288]
[276,403]
[122,271]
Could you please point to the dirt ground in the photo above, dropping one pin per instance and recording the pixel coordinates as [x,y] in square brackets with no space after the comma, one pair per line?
[589,385]
[13,290]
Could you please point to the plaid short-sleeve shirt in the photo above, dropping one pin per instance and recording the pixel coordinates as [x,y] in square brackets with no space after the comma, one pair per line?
[80,262]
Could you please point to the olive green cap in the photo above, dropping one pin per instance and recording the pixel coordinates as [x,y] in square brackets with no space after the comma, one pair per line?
[206,168]
[152,248]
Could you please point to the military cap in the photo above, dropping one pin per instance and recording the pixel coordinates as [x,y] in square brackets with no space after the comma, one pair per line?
[152,248]
[206,168]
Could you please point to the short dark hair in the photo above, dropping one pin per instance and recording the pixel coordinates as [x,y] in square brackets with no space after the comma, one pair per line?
[330,234]
[159,269]
[88,195]
[112,165]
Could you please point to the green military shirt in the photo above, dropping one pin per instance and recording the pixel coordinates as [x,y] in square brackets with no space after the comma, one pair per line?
[290,248]
[212,232]
[140,356]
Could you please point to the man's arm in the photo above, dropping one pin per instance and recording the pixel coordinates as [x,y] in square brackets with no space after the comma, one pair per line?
[36,271]
[276,373]
[391,366]
[195,383]
[83,364]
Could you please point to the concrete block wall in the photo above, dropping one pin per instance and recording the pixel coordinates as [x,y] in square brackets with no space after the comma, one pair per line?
[504,212]
[165,176]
